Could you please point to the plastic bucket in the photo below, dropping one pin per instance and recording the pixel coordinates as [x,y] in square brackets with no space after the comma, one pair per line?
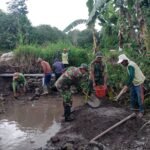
[100,91]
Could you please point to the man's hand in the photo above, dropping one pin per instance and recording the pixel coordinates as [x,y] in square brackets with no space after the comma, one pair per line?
[105,85]
[94,84]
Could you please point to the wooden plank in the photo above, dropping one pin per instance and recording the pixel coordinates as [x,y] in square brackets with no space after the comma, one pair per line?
[26,75]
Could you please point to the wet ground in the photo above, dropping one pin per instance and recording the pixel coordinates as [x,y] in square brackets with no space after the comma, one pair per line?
[27,125]
[39,125]
[90,122]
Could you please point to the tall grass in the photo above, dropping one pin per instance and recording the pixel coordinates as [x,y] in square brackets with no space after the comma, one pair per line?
[27,55]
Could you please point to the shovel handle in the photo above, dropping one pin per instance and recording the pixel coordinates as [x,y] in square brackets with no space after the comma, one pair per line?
[121,92]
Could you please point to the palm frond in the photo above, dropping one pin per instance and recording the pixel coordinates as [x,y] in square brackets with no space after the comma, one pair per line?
[74,24]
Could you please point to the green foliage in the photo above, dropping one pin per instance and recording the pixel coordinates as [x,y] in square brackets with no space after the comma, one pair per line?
[78,56]
[8,31]
[147,102]
[17,7]
[16,30]
[44,34]
[89,4]
[117,74]
[74,24]
[83,39]
[108,37]
[28,54]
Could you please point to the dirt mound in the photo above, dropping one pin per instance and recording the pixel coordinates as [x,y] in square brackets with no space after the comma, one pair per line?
[90,122]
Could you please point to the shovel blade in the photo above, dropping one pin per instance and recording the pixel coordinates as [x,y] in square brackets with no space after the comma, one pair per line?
[93,101]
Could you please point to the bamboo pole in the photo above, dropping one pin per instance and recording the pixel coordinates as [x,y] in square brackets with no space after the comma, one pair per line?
[112,127]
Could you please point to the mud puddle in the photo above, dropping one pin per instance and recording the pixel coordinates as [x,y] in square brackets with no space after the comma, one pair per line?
[28,125]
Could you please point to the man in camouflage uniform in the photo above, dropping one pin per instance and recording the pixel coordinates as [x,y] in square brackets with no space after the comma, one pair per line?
[98,72]
[18,83]
[72,76]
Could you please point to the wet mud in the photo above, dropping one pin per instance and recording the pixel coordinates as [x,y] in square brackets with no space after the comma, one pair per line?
[89,122]
[38,124]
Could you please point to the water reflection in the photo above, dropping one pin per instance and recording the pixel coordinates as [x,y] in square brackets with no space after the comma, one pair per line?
[10,134]
[28,125]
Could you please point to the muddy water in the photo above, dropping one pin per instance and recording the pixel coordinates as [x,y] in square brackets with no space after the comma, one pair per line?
[28,125]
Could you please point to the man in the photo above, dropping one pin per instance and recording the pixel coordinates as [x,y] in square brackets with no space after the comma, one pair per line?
[98,72]
[47,74]
[72,76]
[65,58]
[135,82]
[58,68]
[18,82]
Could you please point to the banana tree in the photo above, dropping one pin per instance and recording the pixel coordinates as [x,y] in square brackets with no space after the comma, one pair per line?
[92,8]
[133,25]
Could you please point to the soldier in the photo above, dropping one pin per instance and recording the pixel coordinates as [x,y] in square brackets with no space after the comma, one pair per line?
[98,72]
[72,76]
[18,82]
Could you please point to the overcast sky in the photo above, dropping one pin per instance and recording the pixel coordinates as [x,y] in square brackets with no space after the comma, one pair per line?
[58,13]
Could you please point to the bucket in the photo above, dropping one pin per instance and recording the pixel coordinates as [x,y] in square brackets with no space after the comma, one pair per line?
[100,91]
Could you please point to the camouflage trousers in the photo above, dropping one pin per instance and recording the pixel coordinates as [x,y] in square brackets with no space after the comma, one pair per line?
[63,85]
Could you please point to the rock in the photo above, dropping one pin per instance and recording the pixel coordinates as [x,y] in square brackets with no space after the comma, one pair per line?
[32,141]
[81,148]
[68,146]
[7,56]
[2,97]
[37,91]
[55,140]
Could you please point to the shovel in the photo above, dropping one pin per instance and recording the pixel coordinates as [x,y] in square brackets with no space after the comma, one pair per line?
[92,100]
[120,94]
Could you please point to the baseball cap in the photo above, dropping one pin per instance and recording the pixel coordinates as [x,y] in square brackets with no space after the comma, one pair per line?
[39,59]
[99,54]
[84,66]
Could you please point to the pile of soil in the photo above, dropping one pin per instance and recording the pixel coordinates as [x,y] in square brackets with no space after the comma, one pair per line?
[90,122]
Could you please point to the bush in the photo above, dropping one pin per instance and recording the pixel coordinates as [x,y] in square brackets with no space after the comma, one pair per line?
[147,102]
[26,55]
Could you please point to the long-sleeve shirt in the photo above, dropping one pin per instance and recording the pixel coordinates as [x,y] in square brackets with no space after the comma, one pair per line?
[136,77]
[73,73]
[131,74]
[58,67]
